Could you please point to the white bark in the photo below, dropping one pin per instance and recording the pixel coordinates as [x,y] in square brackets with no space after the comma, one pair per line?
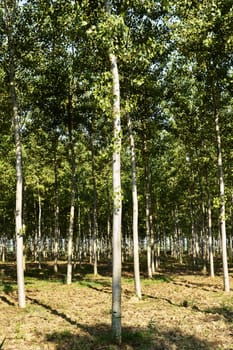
[117,206]
[210,233]
[148,220]
[18,214]
[72,205]
[222,207]
[10,12]
[39,238]
[137,283]
[95,225]
[70,244]
[56,214]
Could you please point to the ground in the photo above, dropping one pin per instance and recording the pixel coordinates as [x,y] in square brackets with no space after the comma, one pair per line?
[179,310]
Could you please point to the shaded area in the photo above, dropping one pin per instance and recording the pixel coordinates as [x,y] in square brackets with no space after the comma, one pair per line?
[6,300]
[82,320]
[169,266]
[99,336]
[225,311]
[204,286]
[139,339]
[55,312]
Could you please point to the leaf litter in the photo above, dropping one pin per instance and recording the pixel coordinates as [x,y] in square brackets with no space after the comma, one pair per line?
[182,312]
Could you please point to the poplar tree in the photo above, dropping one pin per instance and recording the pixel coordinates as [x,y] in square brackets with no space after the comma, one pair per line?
[10,17]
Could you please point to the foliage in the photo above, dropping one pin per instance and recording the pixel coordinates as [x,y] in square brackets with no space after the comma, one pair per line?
[171,57]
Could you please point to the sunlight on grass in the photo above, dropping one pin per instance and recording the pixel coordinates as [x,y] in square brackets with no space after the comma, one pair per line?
[157,279]
[32,282]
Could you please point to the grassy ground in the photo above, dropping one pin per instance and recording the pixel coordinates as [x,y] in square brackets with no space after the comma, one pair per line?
[179,310]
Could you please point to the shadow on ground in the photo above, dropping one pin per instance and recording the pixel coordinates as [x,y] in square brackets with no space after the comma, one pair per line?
[225,311]
[98,338]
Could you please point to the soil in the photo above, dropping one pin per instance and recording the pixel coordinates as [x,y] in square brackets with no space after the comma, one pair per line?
[177,311]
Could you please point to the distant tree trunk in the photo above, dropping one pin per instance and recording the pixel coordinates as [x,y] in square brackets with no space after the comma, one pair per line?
[135,214]
[39,238]
[148,218]
[210,233]
[3,248]
[222,206]
[56,213]
[72,206]
[108,220]
[117,206]
[18,210]
[9,21]
[94,236]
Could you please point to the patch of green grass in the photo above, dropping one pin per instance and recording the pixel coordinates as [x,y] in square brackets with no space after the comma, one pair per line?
[7,288]
[157,279]
[128,280]
[89,284]
[94,282]
[33,282]
[224,309]
[131,339]
[19,331]
[60,336]
[138,339]
[67,340]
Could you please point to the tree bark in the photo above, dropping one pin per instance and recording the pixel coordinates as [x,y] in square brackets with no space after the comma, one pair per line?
[10,13]
[95,225]
[148,218]
[210,233]
[222,207]
[72,207]
[56,211]
[117,206]
[137,283]
[39,237]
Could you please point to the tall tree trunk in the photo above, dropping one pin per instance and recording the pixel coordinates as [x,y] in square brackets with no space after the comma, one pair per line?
[117,206]
[72,207]
[137,283]
[56,212]
[18,210]
[39,237]
[222,207]
[210,233]
[108,221]
[94,236]
[148,218]
[10,13]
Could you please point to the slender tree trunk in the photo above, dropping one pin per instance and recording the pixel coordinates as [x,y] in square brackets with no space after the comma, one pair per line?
[210,233]
[56,214]
[108,221]
[148,221]
[39,238]
[222,207]
[137,283]
[72,208]
[18,211]
[10,13]
[117,206]
[94,236]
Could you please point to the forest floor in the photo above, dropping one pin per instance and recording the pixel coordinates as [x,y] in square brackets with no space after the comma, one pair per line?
[179,310]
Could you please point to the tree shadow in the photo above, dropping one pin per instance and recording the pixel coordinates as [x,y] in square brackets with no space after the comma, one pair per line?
[97,284]
[226,311]
[98,337]
[56,312]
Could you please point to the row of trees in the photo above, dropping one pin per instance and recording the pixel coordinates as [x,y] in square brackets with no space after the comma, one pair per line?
[170,142]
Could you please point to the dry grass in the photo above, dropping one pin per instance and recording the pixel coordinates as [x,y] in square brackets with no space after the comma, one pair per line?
[177,312]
